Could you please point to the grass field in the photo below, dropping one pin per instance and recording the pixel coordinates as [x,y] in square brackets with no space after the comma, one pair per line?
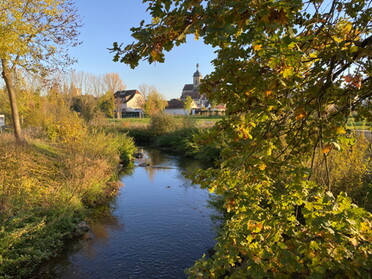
[201,121]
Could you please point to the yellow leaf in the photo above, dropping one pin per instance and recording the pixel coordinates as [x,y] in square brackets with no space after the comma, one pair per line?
[340,130]
[211,190]
[262,166]
[257,47]
[353,241]
[287,71]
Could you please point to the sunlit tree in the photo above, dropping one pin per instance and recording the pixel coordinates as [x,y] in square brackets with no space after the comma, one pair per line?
[34,35]
[152,102]
[290,73]
[188,104]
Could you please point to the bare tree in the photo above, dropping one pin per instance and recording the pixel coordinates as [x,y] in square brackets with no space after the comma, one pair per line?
[94,85]
[112,83]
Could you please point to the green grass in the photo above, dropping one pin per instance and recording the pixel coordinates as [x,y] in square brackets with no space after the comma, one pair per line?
[201,121]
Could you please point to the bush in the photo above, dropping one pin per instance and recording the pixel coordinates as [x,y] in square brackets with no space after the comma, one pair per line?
[177,140]
[162,123]
[126,147]
[206,144]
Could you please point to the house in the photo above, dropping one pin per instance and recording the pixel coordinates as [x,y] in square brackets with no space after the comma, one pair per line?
[192,90]
[177,107]
[203,105]
[129,103]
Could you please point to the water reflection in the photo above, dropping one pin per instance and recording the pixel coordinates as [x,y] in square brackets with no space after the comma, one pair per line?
[158,161]
[158,225]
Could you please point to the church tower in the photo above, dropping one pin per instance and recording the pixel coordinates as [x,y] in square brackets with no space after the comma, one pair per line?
[197,77]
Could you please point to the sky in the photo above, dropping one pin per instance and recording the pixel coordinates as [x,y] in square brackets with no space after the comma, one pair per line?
[110,21]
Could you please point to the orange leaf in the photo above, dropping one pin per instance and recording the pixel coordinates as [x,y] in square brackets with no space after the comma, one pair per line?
[268,93]
[326,148]
[257,47]
[300,113]
[357,81]
[348,78]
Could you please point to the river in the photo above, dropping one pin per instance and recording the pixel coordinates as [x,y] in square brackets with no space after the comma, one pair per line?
[158,225]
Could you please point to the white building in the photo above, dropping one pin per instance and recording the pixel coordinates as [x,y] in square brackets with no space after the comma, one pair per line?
[129,102]
[177,107]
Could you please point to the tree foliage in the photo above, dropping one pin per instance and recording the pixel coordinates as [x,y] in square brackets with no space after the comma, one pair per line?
[34,35]
[152,102]
[290,73]
[188,103]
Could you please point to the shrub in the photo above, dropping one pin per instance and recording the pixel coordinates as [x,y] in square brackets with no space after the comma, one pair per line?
[206,144]
[162,123]
[177,140]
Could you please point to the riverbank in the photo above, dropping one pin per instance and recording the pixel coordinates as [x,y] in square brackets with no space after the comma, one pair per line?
[182,135]
[158,224]
[47,187]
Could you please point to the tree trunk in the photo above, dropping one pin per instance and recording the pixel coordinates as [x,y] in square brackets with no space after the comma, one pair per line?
[118,108]
[7,76]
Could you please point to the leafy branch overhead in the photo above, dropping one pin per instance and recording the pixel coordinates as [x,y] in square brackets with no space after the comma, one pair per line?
[291,73]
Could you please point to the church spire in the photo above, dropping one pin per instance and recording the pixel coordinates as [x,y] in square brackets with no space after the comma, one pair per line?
[197,77]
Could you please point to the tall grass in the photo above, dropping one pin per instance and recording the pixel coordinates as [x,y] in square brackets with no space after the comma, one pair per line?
[350,171]
[47,185]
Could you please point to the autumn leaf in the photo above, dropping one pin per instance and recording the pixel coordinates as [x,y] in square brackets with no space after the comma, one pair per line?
[287,71]
[326,148]
[348,78]
[300,113]
[268,93]
[357,82]
[353,241]
[257,47]
[262,166]
[340,130]
[155,54]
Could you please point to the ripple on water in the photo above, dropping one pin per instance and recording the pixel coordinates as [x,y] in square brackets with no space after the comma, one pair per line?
[154,231]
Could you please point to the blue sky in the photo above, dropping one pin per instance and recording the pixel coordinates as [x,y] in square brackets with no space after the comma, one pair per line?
[108,21]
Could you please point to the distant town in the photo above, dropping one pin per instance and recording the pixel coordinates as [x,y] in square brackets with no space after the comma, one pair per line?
[130,101]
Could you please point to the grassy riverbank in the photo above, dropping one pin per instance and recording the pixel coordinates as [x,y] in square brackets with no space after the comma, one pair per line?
[186,135]
[135,122]
[352,176]
[48,186]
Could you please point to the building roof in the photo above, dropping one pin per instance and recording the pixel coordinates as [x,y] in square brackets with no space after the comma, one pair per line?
[197,74]
[175,104]
[188,87]
[126,95]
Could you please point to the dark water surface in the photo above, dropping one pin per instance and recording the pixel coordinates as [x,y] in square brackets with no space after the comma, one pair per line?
[158,226]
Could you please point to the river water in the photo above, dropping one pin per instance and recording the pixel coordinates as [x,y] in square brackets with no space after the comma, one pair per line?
[158,225]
